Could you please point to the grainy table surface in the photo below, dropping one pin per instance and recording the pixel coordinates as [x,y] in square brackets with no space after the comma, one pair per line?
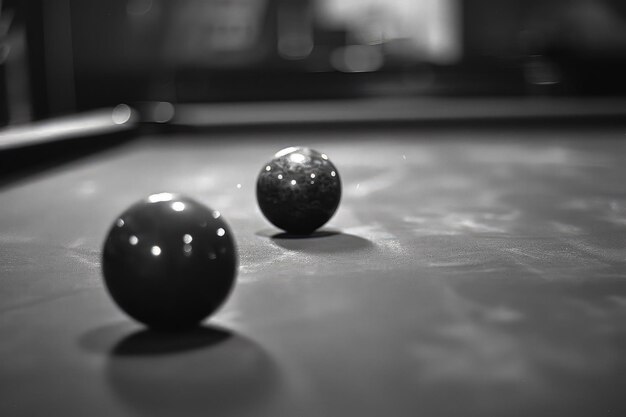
[474,272]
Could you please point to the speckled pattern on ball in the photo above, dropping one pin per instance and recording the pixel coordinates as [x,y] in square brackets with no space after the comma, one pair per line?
[169,261]
[299,190]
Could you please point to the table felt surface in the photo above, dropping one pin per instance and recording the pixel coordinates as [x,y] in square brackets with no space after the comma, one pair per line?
[474,272]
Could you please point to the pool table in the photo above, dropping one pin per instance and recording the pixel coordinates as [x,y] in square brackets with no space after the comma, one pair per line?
[476,265]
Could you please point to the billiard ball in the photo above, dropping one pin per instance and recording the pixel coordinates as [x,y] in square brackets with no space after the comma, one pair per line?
[299,190]
[169,261]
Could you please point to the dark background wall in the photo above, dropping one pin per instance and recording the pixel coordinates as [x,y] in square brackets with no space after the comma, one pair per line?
[80,54]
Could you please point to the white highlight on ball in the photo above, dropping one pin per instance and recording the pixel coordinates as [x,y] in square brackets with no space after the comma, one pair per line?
[285,151]
[297,158]
[178,206]
[155,198]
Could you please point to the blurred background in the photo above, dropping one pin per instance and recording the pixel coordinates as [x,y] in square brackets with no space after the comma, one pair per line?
[66,56]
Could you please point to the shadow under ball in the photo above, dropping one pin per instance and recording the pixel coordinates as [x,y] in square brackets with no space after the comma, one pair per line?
[299,190]
[169,261]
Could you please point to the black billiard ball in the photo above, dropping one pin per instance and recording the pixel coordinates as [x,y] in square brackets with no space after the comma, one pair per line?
[299,190]
[169,261]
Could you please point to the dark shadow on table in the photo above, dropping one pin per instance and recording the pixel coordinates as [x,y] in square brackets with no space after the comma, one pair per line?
[203,371]
[320,241]
[147,342]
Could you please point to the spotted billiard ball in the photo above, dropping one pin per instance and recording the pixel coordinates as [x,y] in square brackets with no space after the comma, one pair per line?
[169,261]
[299,190]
